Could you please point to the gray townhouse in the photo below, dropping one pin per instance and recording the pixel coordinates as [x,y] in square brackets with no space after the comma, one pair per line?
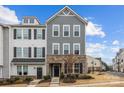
[66,43]
[35,50]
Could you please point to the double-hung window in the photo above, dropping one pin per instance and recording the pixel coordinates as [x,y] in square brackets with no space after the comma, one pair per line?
[66,30]
[19,34]
[76,30]
[25,70]
[39,34]
[19,70]
[25,33]
[39,52]
[77,67]
[18,52]
[76,48]
[56,31]
[56,48]
[66,48]
[25,52]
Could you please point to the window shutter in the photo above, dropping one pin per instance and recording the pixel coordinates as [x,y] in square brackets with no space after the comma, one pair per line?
[81,69]
[35,51]
[14,34]
[43,52]
[29,51]
[14,51]
[35,33]
[29,34]
[43,34]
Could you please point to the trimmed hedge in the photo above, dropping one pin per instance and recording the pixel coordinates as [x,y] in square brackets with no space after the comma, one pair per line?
[85,77]
[47,77]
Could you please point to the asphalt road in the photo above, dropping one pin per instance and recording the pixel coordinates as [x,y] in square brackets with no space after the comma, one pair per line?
[120,74]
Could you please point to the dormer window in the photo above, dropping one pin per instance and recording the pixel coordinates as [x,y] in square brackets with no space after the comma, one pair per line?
[31,20]
[25,20]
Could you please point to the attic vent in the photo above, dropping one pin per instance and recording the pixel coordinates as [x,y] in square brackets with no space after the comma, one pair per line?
[66,12]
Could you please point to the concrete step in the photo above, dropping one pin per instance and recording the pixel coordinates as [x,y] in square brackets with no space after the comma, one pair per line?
[55,82]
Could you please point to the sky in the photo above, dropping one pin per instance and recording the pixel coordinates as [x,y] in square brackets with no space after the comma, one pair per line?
[104,32]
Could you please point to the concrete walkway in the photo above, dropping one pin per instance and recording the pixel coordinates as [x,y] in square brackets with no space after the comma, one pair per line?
[33,83]
[97,84]
[55,82]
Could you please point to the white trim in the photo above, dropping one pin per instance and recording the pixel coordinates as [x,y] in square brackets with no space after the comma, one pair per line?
[74,30]
[68,49]
[79,17]
[53,48]
[74,48]
[58,30]
[1,72]
[69,30]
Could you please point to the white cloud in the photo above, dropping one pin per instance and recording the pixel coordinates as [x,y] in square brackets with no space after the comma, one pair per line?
[115,49]
[95,49]
[8,16]
[116,42]
[94,30]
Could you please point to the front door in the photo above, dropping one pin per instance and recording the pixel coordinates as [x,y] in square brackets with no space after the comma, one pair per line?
[56,70]
[39,73]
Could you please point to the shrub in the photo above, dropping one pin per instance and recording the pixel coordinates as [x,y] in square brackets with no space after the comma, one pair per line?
[62,75]
[1,82]
[28,79]
[68,80]
[85,77]
[16,78]
[10,81]
[47,77]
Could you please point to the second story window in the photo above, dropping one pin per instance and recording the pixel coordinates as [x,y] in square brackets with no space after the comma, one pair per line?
[18,52]
[66,48]
[25,33]
[17,33]
[25,52]
[76,30]
[76,48]
[55,48]
[37,33]
[66,30]
[55,31]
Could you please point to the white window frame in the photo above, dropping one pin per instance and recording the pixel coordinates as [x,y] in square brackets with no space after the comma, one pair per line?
[75,31]
[53,30]
[23,52]
[53,48]
[21,33]
[74,48]
[69,30]
[41,52]
[63,47]
[40,33]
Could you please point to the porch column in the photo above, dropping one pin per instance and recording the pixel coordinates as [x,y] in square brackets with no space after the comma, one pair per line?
[62,67]
[73,68]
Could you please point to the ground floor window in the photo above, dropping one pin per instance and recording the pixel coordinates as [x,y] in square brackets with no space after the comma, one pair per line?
[22,70]
[77,67]
[68,68]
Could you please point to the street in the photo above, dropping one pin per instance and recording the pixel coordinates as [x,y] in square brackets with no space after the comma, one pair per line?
[120,74]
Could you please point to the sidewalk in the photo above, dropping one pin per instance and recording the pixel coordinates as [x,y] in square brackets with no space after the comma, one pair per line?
[97,84]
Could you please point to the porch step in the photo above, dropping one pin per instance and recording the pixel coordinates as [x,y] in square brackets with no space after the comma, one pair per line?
[54,82]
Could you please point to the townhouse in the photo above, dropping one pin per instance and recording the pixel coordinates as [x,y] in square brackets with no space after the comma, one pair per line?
[35,50]
[118,61]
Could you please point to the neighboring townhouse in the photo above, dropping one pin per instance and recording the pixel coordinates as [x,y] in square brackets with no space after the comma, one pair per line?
[66,43]
[94,64]
[118,61]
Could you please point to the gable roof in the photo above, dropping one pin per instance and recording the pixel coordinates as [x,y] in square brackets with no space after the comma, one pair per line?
[66,7]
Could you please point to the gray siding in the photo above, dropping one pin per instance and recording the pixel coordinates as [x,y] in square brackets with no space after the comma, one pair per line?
[63,20]
[6,53]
